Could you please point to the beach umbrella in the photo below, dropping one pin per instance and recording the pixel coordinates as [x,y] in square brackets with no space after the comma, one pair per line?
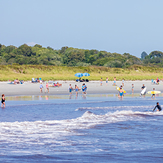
[79,75]
[86,74]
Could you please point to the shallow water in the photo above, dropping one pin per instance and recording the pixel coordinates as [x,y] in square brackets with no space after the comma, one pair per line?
[97,128]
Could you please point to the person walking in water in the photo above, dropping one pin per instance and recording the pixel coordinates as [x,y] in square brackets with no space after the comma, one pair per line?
[76,90]
[121,92]
[84,88]
[70,89]
[3,101]
[158,107]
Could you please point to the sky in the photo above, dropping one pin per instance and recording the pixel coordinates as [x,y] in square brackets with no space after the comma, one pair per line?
[121,26]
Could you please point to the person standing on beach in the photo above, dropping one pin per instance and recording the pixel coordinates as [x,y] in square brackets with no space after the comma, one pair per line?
[114,83]
[153,95]
[84,88]
[41,87]
[76,90]
[106,81]
[123,82]
[3,101]
[70,89]
[47,87]
[143,92]
[132,88]
[101,82]
[121,93]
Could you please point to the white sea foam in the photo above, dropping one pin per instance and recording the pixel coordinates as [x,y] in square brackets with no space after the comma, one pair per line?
[44,132]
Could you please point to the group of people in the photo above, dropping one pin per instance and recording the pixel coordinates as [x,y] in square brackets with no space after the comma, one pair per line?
[76,89]
[47,86]
[16,81]
[41,87]
[155,81]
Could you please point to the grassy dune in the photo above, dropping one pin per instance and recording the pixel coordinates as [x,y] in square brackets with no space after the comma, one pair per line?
[27,72]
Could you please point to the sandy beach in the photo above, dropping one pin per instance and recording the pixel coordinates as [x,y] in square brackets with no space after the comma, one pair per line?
[94,87]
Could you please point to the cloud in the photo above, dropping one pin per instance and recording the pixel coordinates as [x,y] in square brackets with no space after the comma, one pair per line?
[31,43]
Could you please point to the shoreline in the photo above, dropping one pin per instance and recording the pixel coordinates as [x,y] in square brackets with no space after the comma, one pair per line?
[94,87]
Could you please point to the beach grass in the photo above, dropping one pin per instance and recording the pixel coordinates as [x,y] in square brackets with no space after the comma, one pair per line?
[27,72]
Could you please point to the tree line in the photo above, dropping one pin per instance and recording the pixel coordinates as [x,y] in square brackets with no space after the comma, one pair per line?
[68,56]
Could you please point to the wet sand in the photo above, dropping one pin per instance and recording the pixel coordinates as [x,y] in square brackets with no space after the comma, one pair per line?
[94,87]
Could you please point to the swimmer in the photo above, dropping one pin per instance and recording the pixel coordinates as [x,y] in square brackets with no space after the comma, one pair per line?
[3,101]
[158,107]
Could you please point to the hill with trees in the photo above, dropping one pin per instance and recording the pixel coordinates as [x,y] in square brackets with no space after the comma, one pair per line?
[68,56]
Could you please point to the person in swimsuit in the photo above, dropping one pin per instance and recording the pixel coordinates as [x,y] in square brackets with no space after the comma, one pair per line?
[70,89]
[47,87]
[41,86]
[158,107]
[114,83]
[3,101]
[106,81]
[84,88]
[132,88]
[101,82]
[120,95]
[76,90]
[153,95]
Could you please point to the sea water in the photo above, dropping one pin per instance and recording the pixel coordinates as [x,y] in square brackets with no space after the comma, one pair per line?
[93,128]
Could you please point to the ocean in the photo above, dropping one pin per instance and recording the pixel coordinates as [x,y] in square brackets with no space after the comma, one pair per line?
[95,128]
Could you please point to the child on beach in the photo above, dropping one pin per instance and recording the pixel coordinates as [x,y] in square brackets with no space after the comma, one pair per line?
[70,89]
[41,86]
[101,82]
[153,95]
[132,88]
[106,81]
[114,83]
[47,87]
[3,101]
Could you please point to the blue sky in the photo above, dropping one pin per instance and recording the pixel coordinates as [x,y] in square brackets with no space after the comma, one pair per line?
[120,26]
